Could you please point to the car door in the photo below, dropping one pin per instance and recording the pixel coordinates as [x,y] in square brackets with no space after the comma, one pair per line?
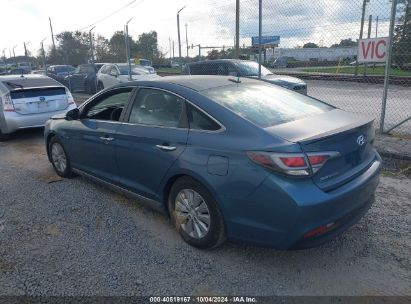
[90,140]
[112,77]
[151,140]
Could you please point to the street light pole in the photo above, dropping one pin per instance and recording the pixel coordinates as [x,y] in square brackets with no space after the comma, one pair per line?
[237,29]
[91,44]
[44,55]
[260,17]
[14,56]
[187,40]
[179,40]
[128,49]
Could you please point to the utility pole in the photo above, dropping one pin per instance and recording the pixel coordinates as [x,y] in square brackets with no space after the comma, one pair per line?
[91,44]
[260,17]
[52,35]
[237,29]
[179,40]
[43,55]
[128,49]
[186,40]
[364,5]
[173,50]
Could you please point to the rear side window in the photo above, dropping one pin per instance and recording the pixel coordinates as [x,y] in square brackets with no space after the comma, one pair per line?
[200,121]
[266,105]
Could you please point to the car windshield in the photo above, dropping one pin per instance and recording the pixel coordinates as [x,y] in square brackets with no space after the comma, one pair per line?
[266,105]
[250,68]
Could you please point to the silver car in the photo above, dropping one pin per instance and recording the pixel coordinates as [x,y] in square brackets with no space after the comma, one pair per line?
[28,101]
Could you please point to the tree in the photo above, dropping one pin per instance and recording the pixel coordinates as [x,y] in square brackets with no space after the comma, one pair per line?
[345,43]
[402,35]
[102,49]
[117,46]
[73,47]
[310,45]
[147,46]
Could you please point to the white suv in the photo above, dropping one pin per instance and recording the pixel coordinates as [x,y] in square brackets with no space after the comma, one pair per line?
[114,73]
[28,101]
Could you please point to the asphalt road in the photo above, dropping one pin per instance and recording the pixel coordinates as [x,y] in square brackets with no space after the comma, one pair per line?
[73,237]
[366,99]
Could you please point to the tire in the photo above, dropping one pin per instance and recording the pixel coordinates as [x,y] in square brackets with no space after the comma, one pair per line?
[59,158]
[190,219]
[4,137]
[100,86]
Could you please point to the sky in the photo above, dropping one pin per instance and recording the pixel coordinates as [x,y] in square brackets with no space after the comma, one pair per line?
[209,22]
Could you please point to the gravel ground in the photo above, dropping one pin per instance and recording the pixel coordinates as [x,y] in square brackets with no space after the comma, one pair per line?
[73,237]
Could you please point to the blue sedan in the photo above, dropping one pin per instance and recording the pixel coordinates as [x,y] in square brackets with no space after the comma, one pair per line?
[225,157]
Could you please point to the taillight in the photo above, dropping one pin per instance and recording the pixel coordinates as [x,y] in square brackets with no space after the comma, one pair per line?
[296,164]
[7,103]
[70,99]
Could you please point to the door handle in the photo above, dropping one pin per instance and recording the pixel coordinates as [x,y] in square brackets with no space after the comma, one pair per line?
[166,148]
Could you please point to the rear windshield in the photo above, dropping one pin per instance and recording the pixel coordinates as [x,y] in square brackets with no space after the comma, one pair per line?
[64,69]
[266,105]
[28,82]
[40,92]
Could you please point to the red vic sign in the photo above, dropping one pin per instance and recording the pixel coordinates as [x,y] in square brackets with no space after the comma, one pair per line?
[372,50]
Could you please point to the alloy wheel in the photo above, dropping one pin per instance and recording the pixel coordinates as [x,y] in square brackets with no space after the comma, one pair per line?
[58,157]
[192,213]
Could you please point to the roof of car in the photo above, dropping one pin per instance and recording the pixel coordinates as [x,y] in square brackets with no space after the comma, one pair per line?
[201,82]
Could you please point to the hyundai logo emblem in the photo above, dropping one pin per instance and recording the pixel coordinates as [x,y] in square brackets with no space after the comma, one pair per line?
[361,140]
[42,98]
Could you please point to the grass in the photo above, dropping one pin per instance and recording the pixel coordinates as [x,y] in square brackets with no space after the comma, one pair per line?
[379,70]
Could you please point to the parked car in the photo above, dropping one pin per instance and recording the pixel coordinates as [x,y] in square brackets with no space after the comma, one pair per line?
[240,159]
[244,68]
[29,101]
[18,72]
[83,78]
[114,73]
[59,72]
[145,63]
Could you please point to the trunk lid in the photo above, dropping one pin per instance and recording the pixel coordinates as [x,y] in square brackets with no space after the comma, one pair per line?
[334,131]
[36,100]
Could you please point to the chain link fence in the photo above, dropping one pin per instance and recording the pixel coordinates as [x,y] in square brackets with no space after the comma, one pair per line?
[317,41]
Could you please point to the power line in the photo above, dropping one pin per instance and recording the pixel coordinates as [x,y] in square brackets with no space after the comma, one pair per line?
[110,15]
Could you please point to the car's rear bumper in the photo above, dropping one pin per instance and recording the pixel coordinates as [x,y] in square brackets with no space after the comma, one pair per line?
[282,215]
[12,121]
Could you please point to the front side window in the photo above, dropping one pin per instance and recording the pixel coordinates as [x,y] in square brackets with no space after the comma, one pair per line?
[266,105]
[157,108]
[109,107]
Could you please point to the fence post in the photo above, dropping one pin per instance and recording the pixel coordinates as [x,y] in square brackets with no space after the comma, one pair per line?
[388,65]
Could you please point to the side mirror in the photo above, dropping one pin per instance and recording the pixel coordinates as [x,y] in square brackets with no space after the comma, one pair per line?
[73,114]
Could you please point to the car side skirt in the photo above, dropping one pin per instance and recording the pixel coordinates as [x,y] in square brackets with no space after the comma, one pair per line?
[156,205]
